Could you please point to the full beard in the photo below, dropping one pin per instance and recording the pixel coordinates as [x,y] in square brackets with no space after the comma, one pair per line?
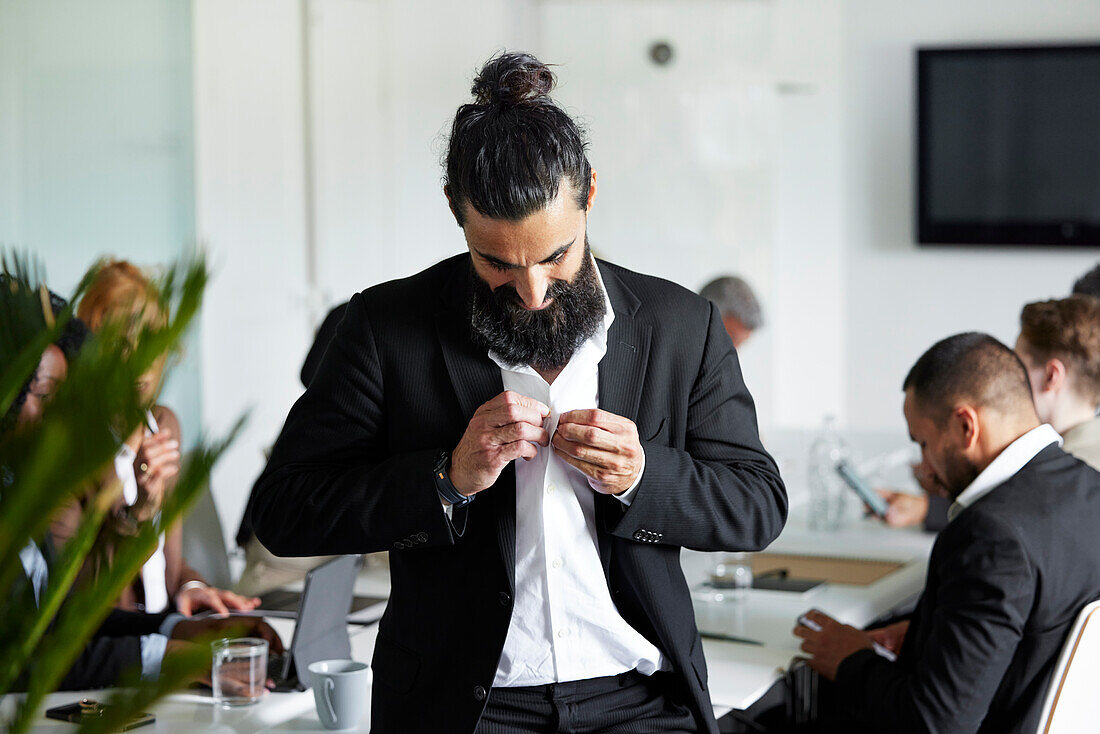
[545,339]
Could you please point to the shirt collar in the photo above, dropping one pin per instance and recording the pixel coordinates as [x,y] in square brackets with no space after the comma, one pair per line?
[596,344]
[1011,460]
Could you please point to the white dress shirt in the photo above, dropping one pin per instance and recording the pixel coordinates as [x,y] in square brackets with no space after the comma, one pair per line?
[153,572]
[564,625]
[1011,460]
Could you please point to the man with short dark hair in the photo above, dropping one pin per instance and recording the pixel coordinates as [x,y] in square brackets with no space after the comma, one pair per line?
[1007,575]
[533,435]
[740,309]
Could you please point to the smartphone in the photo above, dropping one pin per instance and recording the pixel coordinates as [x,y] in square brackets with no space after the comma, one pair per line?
[869,496]
[86,707]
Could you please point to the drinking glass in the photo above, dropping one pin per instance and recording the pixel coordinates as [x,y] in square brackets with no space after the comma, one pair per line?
[239,672]
[731,576]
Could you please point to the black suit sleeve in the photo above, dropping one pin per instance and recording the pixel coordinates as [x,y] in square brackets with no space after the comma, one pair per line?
[984,593]
[721,491]
[102,663]
[332,456]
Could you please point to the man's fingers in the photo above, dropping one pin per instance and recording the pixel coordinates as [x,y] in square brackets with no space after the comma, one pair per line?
[821,618]
[184,606]
[509,402]
[588,435]
[521,432]
[592,417]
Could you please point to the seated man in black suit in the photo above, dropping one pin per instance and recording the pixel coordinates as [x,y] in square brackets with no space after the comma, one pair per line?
[1007,576]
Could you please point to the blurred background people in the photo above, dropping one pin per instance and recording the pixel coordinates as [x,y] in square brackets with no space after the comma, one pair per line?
[1059,344]
[148,461]
[740,309]
[127,639]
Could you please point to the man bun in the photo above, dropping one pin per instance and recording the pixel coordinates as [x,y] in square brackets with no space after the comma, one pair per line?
[511,148]
[514,79]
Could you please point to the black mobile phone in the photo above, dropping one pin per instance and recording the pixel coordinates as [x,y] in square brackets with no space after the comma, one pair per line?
[86,707]
[869,496]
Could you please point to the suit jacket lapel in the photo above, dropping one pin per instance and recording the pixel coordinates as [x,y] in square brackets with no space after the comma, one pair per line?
[476,379]
[621,376]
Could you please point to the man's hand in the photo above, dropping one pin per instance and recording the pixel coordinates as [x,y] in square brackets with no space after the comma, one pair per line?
[505,428]
[891,636]
[603,445]
[191,629]
[904,509]
[187,631]
[219,601]
[831,643]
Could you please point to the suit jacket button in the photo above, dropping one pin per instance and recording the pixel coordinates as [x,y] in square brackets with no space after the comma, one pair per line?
[399,545]
[639,535]
[505,598]
[480,693]
[422,537]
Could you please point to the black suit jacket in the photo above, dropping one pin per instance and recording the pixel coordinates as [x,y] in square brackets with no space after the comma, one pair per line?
[351,473]
[1006,580]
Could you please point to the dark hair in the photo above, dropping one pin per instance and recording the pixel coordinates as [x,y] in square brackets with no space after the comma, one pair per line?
[970,367]
[510,148]
[1067,329]
[1089,283]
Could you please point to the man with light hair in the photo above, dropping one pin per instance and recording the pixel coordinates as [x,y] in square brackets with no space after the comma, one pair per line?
[741,313]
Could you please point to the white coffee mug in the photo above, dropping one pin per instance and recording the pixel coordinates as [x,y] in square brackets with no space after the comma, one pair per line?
[340,690]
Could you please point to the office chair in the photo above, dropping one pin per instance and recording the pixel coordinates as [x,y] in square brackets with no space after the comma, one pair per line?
[1071,703]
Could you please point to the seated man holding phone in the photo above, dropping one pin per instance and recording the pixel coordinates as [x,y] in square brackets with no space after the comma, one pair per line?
[1007,575]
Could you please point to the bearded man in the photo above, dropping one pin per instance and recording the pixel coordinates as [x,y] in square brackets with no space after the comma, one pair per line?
[533,436]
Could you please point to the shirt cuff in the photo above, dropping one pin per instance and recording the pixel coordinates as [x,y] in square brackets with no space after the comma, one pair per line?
[169,624]
[628,496]
[152,655]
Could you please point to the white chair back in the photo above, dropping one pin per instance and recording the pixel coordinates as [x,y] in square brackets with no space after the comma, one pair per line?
[1072,703]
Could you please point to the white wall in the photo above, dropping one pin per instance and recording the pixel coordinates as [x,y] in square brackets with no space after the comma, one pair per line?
[898,298]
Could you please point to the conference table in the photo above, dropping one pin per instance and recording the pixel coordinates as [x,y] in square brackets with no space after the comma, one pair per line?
[740,672]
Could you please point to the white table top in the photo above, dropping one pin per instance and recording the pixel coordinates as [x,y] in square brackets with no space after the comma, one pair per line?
[739,673]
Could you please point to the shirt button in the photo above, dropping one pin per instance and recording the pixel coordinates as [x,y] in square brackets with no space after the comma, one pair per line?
[563,633]
[505,598]
[550,489]
[480,693]
[556,563]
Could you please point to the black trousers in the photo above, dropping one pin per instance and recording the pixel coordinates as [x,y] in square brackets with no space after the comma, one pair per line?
[630,703]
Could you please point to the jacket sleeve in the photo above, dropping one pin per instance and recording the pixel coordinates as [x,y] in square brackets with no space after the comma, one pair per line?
[331,487]
[983,599]
[721,491]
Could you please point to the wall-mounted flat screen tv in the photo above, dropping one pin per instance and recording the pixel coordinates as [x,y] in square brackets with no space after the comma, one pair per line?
[1008,145]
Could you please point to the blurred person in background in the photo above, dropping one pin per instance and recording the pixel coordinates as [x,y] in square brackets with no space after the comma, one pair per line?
[127,639]
[1059,343]
[148,461]
[740,309]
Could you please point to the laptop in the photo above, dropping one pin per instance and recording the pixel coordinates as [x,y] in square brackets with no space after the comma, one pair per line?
[321,632]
